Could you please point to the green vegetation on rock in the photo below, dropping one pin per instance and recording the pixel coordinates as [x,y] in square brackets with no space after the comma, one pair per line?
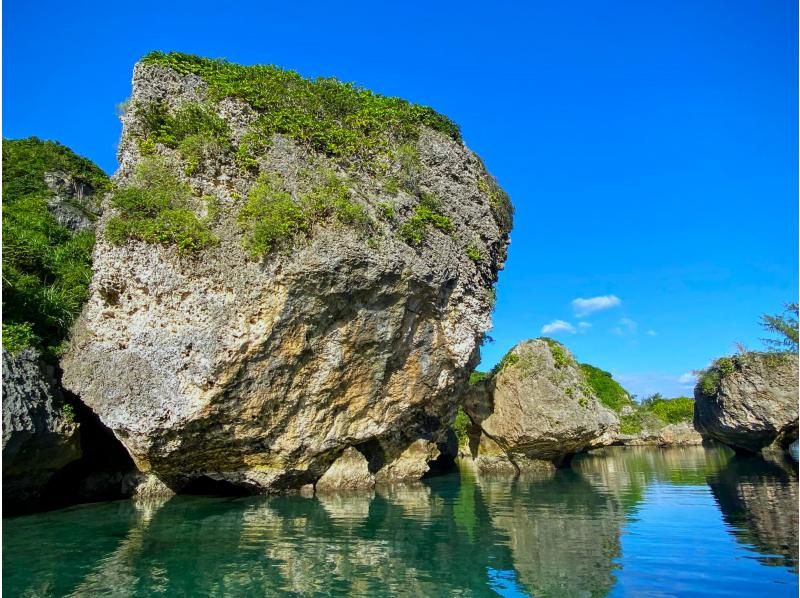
[46,267]
[476,377]
[194,129]
[156,208]
[426,213]
[461,427]
[607,390]
[672,411]
[272,219]
[336,118]
[560,356]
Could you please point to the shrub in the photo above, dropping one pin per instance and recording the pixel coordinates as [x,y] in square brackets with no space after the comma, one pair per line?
[674,410]
[194,129]
[155,209]
[18,336]
[332,200]
[68,413]
[46,267]
[270,217]
[425,213]
[338,119]
[630,424]
[461,427]
[474,253]
[509,359]
[607,390]
[561,358]
[476,377]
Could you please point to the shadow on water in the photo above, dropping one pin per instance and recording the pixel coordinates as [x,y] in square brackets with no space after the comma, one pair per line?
[759,501]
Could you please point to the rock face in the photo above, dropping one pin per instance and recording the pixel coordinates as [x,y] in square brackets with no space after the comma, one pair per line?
[535,410]
[749,401]
[73,202]
[658,433]
[264,371]
[40,435]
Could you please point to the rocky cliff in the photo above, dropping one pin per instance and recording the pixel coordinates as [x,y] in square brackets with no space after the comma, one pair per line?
[534,410]
[40,434]
[286,270]
[749,401]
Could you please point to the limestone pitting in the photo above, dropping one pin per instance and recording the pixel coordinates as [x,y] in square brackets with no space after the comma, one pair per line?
[534,412]
[754,407]
[262,372]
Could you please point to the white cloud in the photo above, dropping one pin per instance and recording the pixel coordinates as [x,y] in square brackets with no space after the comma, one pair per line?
[626,326]
[651,333]
[584,307]
[558,326]
[687,378]
[584,326]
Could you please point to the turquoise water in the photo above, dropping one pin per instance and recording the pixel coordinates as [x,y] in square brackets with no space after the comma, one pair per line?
[621,522]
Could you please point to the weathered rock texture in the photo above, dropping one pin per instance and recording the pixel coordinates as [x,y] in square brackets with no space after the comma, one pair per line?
[535,410]
[262,373]
[73,203]
[659,433]
[754,406]
[40,437]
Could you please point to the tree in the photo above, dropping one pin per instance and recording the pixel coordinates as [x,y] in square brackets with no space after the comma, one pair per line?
[784,326]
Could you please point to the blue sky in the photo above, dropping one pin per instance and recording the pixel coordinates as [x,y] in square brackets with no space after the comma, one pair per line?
[650,148]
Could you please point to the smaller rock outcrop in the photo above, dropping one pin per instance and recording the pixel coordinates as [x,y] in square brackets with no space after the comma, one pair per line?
[749,401]
[40,435]
[73,202]
[535,410]
[662,434]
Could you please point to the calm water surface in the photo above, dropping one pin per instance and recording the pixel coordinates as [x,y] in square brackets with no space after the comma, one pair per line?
[621,522]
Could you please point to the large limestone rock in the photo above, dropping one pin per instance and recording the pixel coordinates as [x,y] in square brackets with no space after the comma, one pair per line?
[749,401]
[262,372]
[40,436]
[535,410]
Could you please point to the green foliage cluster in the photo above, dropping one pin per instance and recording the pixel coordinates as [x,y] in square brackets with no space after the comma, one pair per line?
[461,427]
[560,356]
[711,377]
[500,202]
[630,423]
[785,326]
[194,129]
[509,359]
[46,267]
[474,253]
[156,208]
[476,377]
[336,118]
[273,220]
[68,413]
[426,213]
[605,388]
[672,411]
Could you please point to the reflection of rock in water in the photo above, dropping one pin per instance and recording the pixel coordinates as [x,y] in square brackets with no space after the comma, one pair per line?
[564,534]
[758,499]
[626,471]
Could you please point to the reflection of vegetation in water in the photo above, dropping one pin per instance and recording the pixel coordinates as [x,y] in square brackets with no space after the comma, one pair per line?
[759,500]
[554,534]
[627,471]
[464,507]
